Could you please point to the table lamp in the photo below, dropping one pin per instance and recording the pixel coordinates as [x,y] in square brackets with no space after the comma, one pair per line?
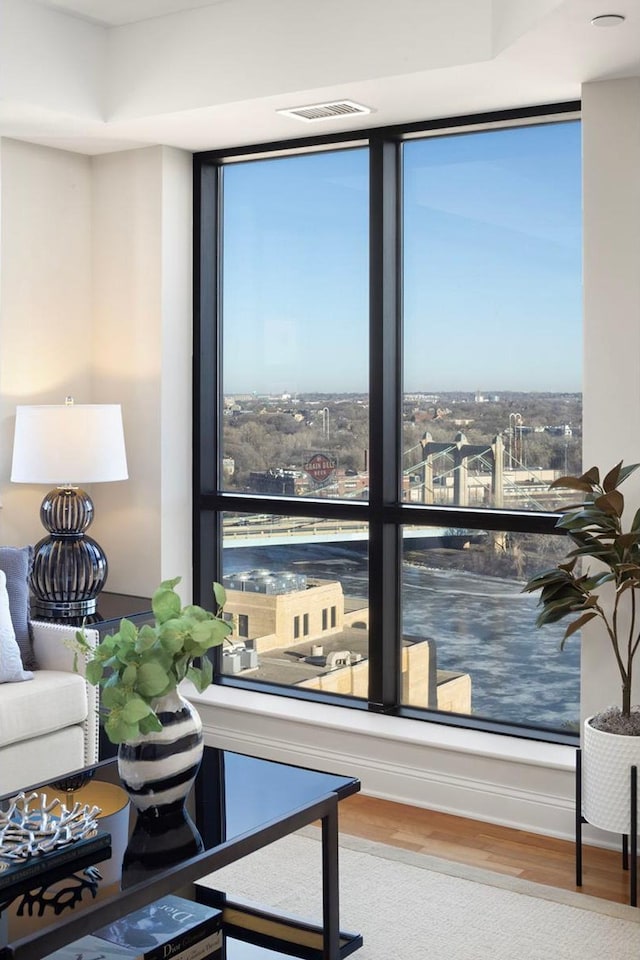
[68,444]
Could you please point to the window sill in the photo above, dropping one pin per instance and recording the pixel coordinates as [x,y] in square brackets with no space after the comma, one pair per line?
[438,736]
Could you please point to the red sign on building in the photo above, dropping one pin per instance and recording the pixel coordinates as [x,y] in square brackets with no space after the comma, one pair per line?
[320,467]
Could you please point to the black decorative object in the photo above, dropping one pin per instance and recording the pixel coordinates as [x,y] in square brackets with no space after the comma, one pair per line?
[34,902]
[157,769]
[158,842]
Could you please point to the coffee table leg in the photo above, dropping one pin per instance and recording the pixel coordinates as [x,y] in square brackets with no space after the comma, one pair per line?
[330,884]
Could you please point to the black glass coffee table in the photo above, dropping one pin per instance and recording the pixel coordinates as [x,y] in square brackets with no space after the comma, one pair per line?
[238,805]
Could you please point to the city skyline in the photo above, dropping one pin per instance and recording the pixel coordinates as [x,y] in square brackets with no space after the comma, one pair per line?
[492,256]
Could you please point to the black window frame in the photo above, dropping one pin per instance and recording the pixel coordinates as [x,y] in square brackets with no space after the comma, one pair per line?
[385,512]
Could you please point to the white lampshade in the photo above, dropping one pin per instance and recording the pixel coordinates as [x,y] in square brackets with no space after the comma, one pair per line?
[69,443]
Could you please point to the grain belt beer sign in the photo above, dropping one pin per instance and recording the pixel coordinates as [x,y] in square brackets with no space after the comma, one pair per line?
[320,467]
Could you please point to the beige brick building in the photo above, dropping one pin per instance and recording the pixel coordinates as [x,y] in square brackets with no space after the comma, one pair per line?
[305,632]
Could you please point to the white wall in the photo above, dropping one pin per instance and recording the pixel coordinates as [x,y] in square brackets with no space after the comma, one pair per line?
[177,348]
[45,302]
[96,303]
[142,216]
[611,171]
[127,354]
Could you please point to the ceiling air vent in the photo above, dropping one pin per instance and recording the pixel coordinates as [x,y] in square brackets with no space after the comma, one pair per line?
[325,111]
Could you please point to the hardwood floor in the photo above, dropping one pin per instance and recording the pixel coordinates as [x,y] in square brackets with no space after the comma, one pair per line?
[514,852]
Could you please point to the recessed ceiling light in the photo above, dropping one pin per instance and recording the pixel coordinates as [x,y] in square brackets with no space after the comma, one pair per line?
[325,111]
[608,20]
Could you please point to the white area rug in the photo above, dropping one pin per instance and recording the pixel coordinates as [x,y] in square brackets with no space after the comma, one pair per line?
[411,906]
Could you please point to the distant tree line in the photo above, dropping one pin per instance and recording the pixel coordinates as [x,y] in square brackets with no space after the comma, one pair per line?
[263,434]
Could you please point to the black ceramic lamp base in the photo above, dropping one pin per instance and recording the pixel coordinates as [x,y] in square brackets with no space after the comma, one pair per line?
[69,568]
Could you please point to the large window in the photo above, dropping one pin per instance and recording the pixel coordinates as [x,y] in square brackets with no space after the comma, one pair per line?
[388,377]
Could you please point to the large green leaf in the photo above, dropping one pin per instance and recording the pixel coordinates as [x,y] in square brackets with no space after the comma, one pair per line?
[166,604]
[561,587]
[194,612]
[552,576]
[129,675]
[150,724]
[557,609]
[592,583]
[211,633]
[587,520]
[118,730]
[94,671]
[152,679]
[128,631]
[220,595]
[146,638]
[172,633]
[201,677]
[112,696]
[597,550]
[135,709]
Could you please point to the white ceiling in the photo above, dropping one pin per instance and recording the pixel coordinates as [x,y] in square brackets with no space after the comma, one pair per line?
[102,75]
[114,13]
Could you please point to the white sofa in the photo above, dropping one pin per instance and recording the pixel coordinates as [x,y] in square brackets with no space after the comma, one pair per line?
[48,725]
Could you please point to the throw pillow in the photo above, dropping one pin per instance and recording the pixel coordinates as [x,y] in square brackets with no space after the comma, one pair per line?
[16,563]
[11,670]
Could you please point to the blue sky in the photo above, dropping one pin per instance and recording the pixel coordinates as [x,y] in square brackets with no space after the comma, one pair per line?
[492,266]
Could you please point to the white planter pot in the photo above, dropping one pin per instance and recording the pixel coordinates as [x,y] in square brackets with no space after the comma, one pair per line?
[607,759]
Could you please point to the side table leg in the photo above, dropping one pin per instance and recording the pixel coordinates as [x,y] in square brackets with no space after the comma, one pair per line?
[633,839]
[578,818]
[330,885]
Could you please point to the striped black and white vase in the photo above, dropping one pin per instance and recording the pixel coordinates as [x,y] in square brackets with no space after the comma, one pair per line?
[158,769]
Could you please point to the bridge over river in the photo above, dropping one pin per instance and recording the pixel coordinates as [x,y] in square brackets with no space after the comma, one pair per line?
[279,531]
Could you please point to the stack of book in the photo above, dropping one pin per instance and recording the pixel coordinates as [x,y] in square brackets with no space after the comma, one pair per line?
[43,868]
[168,929]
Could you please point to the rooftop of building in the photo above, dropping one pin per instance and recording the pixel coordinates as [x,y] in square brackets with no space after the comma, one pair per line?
[294,663]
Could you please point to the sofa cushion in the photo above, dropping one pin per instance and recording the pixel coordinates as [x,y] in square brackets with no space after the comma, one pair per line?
[44,759]
[16,563]
[53,700]
[11,669]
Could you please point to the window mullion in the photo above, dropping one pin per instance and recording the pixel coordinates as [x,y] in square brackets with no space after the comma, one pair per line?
[385,407]
[207,524]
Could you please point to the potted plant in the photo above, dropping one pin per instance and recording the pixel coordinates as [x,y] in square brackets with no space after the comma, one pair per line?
[611,742]
[139,669]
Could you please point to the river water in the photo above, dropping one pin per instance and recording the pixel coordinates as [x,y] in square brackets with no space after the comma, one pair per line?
[483,626]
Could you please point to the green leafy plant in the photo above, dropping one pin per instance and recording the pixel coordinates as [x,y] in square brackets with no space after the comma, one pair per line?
[594,527]
[135,666]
